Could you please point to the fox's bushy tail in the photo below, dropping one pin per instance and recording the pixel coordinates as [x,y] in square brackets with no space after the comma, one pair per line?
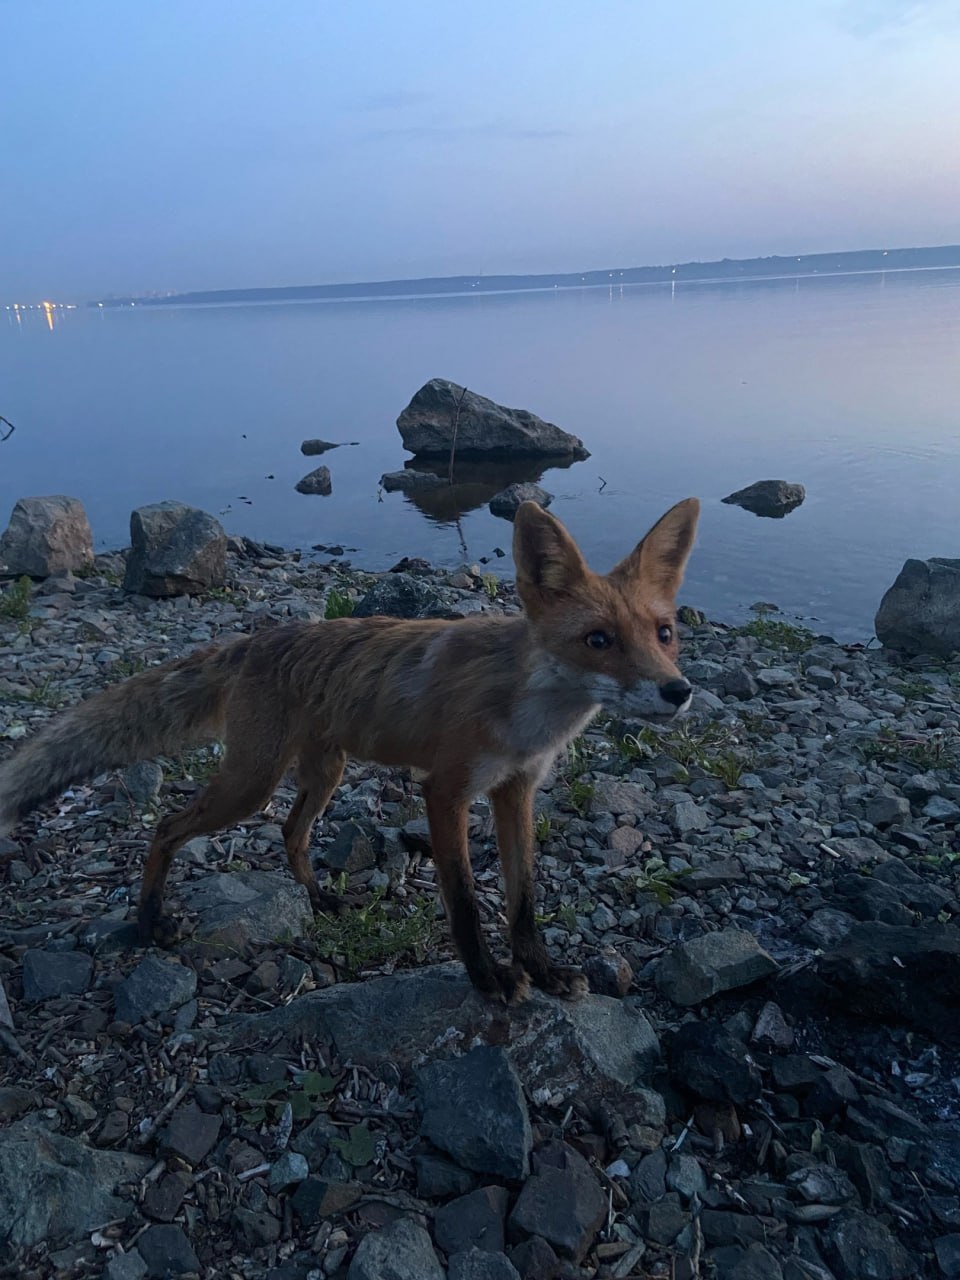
[157,712]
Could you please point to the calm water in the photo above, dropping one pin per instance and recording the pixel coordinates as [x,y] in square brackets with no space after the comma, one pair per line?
[850,386]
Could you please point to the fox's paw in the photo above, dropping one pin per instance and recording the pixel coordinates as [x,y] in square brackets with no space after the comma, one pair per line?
[563,981]
[158,931]
[325,903]
[505,984]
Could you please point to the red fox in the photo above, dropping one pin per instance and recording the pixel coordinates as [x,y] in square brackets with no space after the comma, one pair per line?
[474,705]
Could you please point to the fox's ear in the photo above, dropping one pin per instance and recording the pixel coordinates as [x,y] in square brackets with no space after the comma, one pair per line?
[548,560]
[660,559]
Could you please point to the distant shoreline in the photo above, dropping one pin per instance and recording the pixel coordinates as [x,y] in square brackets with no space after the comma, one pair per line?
[725,271]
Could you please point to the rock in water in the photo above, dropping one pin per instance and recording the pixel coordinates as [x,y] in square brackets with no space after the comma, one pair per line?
[310,448]
[47,536]
[507,501]
[410,481]
[482,427]
[771,498]
[316,482]
[921,611]
[175,550]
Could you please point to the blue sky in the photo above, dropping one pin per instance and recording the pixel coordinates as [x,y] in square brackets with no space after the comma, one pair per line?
[255,142]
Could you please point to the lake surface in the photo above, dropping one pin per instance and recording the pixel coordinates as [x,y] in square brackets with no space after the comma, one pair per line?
[848,385]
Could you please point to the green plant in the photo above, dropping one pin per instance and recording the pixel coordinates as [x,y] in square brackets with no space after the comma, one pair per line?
[914,688]
[228,595]
[655,878]
[200,763]
[47,694]
[936,752]
[568,917]
[124,668]
[15,601]
[542,828]
[339,605]
[266,1101]
[579,795]
[378,932]
[359,1148]
[777,634]
[491,585]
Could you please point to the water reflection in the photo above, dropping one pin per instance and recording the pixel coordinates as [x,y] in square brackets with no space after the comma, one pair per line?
[475,481]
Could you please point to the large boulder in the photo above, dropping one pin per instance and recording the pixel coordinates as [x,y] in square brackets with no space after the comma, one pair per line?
[771,498]
[441,410]
[921,611]
[176,550]
[46,536]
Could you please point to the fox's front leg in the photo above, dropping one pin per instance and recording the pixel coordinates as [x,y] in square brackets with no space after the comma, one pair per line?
[513,813]
[447,810]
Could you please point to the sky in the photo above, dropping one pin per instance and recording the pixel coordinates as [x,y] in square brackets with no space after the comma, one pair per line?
[229,143]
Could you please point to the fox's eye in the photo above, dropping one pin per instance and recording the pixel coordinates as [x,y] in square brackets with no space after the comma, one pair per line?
[665,635]
[598,640]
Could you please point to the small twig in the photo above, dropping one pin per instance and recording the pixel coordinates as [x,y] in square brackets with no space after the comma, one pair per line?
[603,484]
[456,428]
[167,1109]
[10,428]
[12,1046]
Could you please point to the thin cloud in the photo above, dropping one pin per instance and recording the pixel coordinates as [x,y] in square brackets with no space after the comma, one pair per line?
[391,100]
[898,19]
[455,133]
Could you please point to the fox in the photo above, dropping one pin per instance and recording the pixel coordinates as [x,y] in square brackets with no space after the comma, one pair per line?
[472,706]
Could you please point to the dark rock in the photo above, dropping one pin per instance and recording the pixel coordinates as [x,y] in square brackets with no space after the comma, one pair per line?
[55,1189]
[478,1264]
[256,1227]
[827,928]
[440,408]
[507,501]
[167,1252]
[472,1221]
[535,1260]
[900,975]
[411,481]
[398,595]
[947,1250]
[920,613]
[755,1262]
[163,1199]
[191,1134]
[771,1029]
[648,1178]
[288,1171]
[438,1178]
[608,973]
[143,781]
[832,1092]
[723,1227]
[822,1184]
[313,1141]
[125,1266]
[249,906]
[685,1175]
[175,550]
[694,971]
[867,1166]
[49,973]
[474,1109]
[662,1221]
[319,1198]
[265,1068]
[400,1251]
[154,987]
[310,448]
[317,483]
[862,1248]
[46,536]
[562,1201]
[103,935]
[772,498]
[709,1062]
[581,1047]
[351,850]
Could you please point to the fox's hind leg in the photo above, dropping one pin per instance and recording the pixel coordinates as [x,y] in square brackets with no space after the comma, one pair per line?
[513,814]
[244,784]
[318,777]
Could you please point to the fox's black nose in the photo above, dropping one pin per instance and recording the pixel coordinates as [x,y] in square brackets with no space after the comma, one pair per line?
[676,692]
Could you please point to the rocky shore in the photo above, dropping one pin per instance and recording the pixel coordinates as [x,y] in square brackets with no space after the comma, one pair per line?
[764,1082]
